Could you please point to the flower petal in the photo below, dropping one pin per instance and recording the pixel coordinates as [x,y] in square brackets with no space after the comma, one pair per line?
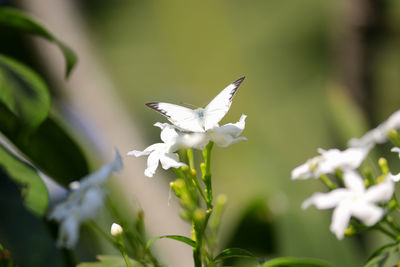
[226,135]
[170,160]
[381,192]
[232,129]
[193,140]
[340,220]
[326,200]
[147,151]
[349,159]
[367,213]
[394,178]
[90,203]
[302,172]
[168,134]
[353,181]
[101,175]
[68,233]
[378,135]
[152,164]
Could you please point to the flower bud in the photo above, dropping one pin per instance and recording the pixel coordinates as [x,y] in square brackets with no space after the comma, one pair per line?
[384,166]
[116,230]
[350,231]
[199,215]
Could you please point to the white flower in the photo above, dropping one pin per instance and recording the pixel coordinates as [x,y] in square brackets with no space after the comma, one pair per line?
[228,134]
[222,136]
[394,178]
[161,152]
[330,160]
[83,203]
[353,200]
[379,134]
[116,229]
[173,140]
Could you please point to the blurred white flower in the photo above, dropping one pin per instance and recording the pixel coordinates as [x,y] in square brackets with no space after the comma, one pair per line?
[353,200]
[83,203]
[379,134]
[330,160]
[394,178]
[161,152]
[116,229]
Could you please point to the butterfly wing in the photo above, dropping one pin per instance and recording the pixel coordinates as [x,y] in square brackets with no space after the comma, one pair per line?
[220,105]
[184,118]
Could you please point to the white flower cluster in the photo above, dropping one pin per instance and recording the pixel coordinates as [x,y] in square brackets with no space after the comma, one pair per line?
[354,199]
[83,203]
[174,139]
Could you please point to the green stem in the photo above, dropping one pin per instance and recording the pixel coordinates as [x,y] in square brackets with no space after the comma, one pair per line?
[198,186]
[207,174]
[103,233]
[390,221]
[190,157]
[196,257]
[136,240]
[122,249]
[325,179]
[385,231]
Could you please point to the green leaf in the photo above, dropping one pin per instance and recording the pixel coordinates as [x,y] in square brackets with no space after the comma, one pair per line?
[22,233]
[16,19]
[381,255]
[109,261]
[180,238]
[34,191]
[296,262]
[234,253]
[49,148]
[23,92]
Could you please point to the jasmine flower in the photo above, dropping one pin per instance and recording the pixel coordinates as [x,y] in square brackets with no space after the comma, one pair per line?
[330,160]
[228,134]
[379,134]
[82,203]
[353,200]
[161,152]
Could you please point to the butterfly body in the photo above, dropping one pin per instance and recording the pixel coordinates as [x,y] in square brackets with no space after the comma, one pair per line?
[201,119]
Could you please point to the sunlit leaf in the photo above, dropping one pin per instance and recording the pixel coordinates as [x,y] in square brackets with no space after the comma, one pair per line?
[14,18]
[180,238]
[109,261]
[234,253]
[22,233]
[34,190]
[295,262]
[23,92]
[49,148]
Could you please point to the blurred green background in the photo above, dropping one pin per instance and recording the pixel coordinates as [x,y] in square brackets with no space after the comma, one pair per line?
[317,73]
[294,95]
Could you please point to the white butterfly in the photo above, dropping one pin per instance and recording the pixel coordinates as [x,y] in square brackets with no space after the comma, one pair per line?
[201,119]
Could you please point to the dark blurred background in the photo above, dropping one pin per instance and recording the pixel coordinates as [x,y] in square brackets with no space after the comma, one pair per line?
[317,73]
